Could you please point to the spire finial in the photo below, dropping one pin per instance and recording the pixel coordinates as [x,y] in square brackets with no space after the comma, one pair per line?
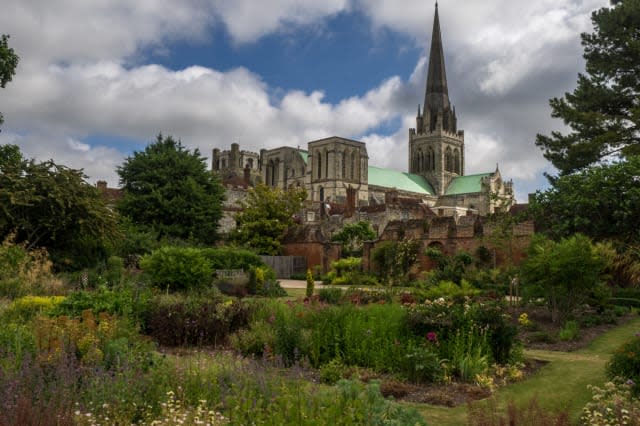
[436,99]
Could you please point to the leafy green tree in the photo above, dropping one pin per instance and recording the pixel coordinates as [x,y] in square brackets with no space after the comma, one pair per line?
[449,268]
[267,213]
[168,189]
[566,273]
[603,111]
[601,202]
[8,63]
[393,259]
[352,237]
[52,206]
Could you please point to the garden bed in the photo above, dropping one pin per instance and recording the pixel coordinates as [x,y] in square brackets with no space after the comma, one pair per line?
[545,334]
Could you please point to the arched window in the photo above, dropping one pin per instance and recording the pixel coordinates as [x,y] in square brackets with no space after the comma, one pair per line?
[416,162]
[319,154]
[354,166]
[419,160]
[276,172]
[326,164]
[432,159]
[448,160]
[270,173]
[456,161]
[344,165]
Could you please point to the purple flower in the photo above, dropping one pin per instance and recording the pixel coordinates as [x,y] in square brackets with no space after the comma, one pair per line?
[432,336]
[630,382]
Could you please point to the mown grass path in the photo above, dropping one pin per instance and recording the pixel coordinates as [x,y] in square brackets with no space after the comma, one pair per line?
[560,384]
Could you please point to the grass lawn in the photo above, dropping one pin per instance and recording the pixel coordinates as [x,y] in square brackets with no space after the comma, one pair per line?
[562,383]
[295,293]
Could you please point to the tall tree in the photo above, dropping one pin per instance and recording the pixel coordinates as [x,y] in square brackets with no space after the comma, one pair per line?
[602,202]
[8,63]
[603,111]
[265,217]
[168,189]
[52,206]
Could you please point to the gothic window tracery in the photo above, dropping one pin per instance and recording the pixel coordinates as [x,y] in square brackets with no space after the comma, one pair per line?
[448,160]
[344,165]
[326,164]
[431,160]
[353,165]
[456,161]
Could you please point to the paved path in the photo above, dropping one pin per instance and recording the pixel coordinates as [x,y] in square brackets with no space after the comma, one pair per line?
[299,284]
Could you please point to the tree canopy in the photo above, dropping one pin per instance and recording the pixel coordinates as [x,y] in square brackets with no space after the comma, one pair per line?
[602,202]
[266,215]
[52,206]
[8,63]
[565,273]
[352,236]
[603,112]
[168,189]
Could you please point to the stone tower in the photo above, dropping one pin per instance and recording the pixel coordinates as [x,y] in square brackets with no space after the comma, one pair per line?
[436,146]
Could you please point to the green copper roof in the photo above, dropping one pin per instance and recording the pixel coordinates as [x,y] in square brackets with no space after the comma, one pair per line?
[304,155]
[466,184]
[388,178]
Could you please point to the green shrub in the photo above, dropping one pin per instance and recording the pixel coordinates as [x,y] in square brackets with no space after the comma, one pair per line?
[393,259]
[623,292]
[352,237]
[263,282]
[24,272]
[449,289]
[254,341]
[127,301]
[364,296]
[541,337]
[310,283]
[447,318]
[345,266]
[570,331]
[625,301]
[449,268]
[231,258]
[27,307]
[422,364]
[176,320]
[625,364]
[177,268]
[332,296]
[566,273]
[17,342]
[332,371]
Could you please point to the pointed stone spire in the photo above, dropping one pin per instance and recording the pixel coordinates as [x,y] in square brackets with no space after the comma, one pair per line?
[436,99]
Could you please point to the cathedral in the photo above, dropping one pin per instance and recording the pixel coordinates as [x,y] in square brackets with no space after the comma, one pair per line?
[337,175]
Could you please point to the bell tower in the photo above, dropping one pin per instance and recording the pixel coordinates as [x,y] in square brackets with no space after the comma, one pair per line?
[436,146]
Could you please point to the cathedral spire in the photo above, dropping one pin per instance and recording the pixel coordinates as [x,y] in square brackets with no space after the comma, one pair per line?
[436,99]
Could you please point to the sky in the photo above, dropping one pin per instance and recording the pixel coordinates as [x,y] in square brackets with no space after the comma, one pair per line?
[99,79]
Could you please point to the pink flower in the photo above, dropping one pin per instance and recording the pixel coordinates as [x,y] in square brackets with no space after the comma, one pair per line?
[432,337]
